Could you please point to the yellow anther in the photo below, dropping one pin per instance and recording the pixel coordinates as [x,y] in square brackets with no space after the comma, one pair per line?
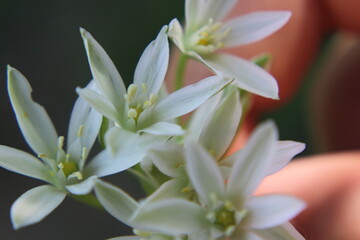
[229,230]
[153,98]
[147,104]
[180,164]
[132,113]
[43,155]
[83,153]
[132,89]
[186,189]
[78,175]
[67,157]
[80,130]
[229,206]
[60,142]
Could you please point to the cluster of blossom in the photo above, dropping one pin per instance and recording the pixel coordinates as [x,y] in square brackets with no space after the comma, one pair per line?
[207,193]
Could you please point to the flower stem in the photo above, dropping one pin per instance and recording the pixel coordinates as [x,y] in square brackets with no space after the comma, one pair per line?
[180,71]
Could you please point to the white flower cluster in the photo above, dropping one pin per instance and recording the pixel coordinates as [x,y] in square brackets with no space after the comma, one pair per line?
[196,190]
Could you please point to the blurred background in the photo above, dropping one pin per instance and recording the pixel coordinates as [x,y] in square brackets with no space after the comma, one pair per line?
[41,39]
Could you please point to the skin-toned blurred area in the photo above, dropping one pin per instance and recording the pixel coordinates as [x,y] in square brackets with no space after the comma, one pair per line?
[315,56]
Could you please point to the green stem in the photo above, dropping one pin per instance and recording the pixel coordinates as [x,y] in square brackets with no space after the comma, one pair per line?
[89,200]
[180,71]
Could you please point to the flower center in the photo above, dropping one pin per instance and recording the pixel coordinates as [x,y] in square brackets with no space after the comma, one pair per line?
[208,38]
[139,100]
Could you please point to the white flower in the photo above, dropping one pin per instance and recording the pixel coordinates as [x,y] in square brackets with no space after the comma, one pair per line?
[65,171]
[139,108]
[206,32]
[228,210]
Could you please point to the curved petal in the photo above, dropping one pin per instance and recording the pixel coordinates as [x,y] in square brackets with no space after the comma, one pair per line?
[285,231]
[85,123]
[34,205]
[118,203]
[247,75]
[253,161]
[83,187]
[105,74]
[168,158]
[253,27]
[33,120]
[188,98]
[153,63]
[204,173]
[272,210]
[99,103]
[285,151]
[176,34]
[164,129]
[23,163]
[186,217]
[220,129]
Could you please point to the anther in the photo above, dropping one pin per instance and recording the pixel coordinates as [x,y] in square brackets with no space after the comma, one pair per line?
[80,130]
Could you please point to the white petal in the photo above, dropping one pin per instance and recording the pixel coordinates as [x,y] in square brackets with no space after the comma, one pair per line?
[188,98]
[251,165]
[164,129]
[118,203]
[254,27]
[247,75]
[105,74]
[176,34]
[34,205]
[200,116]
[203,172]
[84,116]
[171,216]
[23,163]
[153,63]
[126,238]
[198,12]
[33,120]
[170,189]
[83,187]
[272,210]
[124,150]
[168,158]
[285,151]
[220,129]
[99,103]
[285,231]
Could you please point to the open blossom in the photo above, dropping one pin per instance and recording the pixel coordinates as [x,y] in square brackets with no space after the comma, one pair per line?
[140,109]
[206,32]
[65,171]
[228,209]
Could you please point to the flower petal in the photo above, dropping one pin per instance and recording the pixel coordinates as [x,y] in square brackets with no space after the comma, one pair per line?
[23,163]
[170,189]
[85,123]
[83,187]
[176,34]
[272,210]
[198,12]
[188,98]
[285,151]
[105,74]
[285,231]
[252,163]
[220,129]
[118,203]
[203,172]
[153,63]
[124,150]
[33,120]
[34,205]
[164,129]
[186,217]
[168,158]
[99,103]
[254,27]
[247,75]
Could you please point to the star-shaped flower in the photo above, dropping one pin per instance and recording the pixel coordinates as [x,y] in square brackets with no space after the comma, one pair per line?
[65,171]
[206,32]
[227,210]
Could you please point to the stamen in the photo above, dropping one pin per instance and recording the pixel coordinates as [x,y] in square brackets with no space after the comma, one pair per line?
[132,113]
[229,230]
[186,189]
[83,153]
[80,130]
[43,155]
[61,142]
